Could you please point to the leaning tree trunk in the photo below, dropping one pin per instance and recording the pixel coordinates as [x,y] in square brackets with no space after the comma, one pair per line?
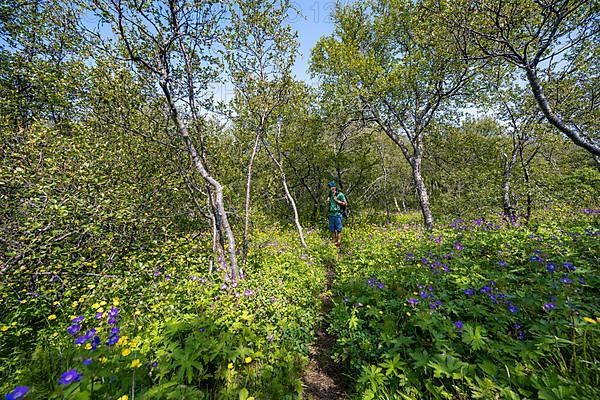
[294,208]
[223,222]
[422,191]
[247,200]
[278,161]
[554,119]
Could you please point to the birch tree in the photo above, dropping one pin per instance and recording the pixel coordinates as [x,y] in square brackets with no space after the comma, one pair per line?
[173,44]
[260,52]
[404,67]
[555,44]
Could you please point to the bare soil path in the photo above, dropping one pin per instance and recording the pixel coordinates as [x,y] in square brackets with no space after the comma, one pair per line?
[323,379]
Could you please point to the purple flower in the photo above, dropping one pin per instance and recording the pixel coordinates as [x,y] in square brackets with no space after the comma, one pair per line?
[536,258]
[99,315]
[114,312]
[270,337]
[548,306]
[458,246]
[551,267]
[412,301]
[424,295]
[17,393]
[380,285]
[73,329]
[112,340]
[485,289]
[90,334]
[70,376]
[113,321]
[78,320]
[156,273]
[569,266]
[458,325]
[95,342]
[493,298]
[224,286]
[565,279]
[582,281]
[434,305]
[502,263]
[438,240]
[248,292]
[512,308]
[87,361]
[469,292]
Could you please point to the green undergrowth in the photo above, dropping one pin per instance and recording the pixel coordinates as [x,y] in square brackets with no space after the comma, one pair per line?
[162,327]
[472,309]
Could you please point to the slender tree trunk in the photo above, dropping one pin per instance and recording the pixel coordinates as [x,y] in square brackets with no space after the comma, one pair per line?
[525,166]
[247,200]
[385,176]
[294,208]
[279,162]
[218,188]
[422,191]
[509,210]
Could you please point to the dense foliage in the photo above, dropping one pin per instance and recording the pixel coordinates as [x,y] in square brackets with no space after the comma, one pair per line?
[161,241]
[471,310]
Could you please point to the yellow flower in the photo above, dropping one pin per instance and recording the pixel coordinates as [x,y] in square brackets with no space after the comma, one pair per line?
[23,301]
[51,317]
[102,303]
[55,334]
[230,366]
[56,303]
[116,301]
[102,360]
[91,286]
[133,343]
[88,346]
[74,304]
[95,306]
[3,328]
[590,320]
[248,360]
[122,341]
[250,398]
[124,397]
[126,352]
[137,312]
[136,363]
[100,309]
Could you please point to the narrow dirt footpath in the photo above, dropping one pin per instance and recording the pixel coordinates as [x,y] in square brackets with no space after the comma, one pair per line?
[322,379]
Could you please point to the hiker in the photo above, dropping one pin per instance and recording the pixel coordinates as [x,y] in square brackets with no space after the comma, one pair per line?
[336,201]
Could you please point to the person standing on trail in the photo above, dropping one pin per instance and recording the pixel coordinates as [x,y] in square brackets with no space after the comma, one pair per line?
[336,201]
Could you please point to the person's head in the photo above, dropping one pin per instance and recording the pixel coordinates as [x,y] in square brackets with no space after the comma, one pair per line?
[332,186]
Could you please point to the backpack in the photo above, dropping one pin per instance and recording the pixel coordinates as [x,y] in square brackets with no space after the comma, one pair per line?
[345,210]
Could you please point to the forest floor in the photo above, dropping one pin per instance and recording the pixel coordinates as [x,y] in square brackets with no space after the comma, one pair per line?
[323,379]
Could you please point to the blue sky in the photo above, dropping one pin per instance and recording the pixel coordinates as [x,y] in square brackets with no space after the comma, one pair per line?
[314,23]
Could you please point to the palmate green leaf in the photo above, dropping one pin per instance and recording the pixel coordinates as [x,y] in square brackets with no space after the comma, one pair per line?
[421,358]
[474,336]
[449,367]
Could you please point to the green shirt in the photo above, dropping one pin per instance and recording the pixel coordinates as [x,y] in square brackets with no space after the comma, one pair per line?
[334,208]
